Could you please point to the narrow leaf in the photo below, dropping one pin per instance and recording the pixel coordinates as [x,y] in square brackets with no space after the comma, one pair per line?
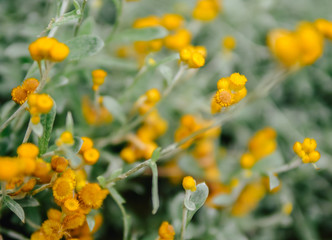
[47,120]
[66,18]
[74,160]
[155,154]
[14,207]
[77,144]
[114,108]
[37,129]
[91,221]
[141,34]
[155,196]
[69,122]
[273,180]
[84,46]
[28,202]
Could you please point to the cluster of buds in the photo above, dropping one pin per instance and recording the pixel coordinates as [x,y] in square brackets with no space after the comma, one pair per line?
[148,100]
[98,78]
[206,10]
[89,153]
[45,48]
[189,183]
[142,144]
[300,47]
[193,56]
[39,104]
[262,144]
[306,150]
[231,90]
[166,231]
[21,93]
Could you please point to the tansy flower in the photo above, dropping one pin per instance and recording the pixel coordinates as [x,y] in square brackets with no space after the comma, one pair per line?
[70,174]
[65,138]
[128,154]
[73,221]
[9,168]
[92,195]
[91,156]
[59,164]
[63,189]
[229,43]
[87,144]
[30,85]
[166,231]
[306,151]
[324,27]
[29,185]
[98,78]
[19,95]
[71,205]
[178,40]
[52,229]
[150,21]
[27,150]
[48,48]
[172,21]
[189,183]
[42,171]
[59,52]
[38,235]
[54,214]
[206,10]
[44,103]
[247,160]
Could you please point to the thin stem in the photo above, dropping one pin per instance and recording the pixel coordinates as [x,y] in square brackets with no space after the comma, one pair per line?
[63,9]
[45,186]
[27,133]
[184,222]
[80,20]
[116,24]
[14,115]
[288,167]
[175,80]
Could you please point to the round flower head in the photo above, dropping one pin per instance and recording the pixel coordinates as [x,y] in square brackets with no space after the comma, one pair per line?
[71,205]
[63,189]
[73,221]
[91,156]
[128,154]
[196,61]
[189,183]
[180,39]
[166,231]
[247,160]
[9,168]
[70,175]
[59,52]
[224,97]
[229,43]
[59,164]
[150,21]
[38,235]
[44,46]
[19,95]
[34,51]
[54,214]
[98,77]
[27,150]
[92,196]
[30,85]
[237,81]
[172,21]
[87,144]
[324,27]
[44,103]
[29,165]
[28,186]
[153,95]
[52,229]
[66,138]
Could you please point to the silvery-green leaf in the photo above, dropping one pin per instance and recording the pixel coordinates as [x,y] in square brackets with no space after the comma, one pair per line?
[91,221]
[74,160]
[274,181]
[116,195]
[189,204]
[87,26]
[28,202]
[140,34]
[68,17]
[114,108]
[155,154]
[69,122]
[198,198]
[167,73]
[155,196]
[47,121]
[37,129]
[84,46]
[14,207]
[223,200]
[101,181]
[78,142]
[190,166]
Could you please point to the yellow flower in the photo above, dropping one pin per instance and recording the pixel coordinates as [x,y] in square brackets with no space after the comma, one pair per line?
[54,214]
[91,156]
[150,21]
[206,10]
[180,39]
[153,95]
[19,95]
[29,185]
[42,171]
[27,150]
[38,235]
[287,208]
[224,97]
[92,196]
[65,138]
[30,85]
[229,43]
[59,164]
[71,205]
[247,160]
[128,155]
[189,183]
[87,144]
[52,229]
[98,77]
[44,103]
[172,21]
[73,221]
[193,56]
[63,189]
[324,27]
[59,52]
[237,81]
[307,151]
[28,164]
[9,168]
[166,231]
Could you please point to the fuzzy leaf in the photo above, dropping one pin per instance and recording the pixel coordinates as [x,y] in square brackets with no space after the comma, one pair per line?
[274,181]
[140,34]
[155,196]
[198,198]
[69,122]
[114,108]
[69,17]
[14,207]
[116,195]
[223,200]
[87,26]
[155,155]
[28,202]
[84,46]
[91,221]
[37,129]
[47,120]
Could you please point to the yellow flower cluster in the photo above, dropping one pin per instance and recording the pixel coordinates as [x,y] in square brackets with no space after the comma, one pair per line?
[300,47]
[46,48]
[231,90]
[95,115]
[148,100]
[89,153]
[194,57]
[39,104]
[248,199]
[98,78]
[206,10]
[306,150]
[166,231]
[66,138]
[189,183]
[262,144]
[324,27]
[21,93]
[143,143]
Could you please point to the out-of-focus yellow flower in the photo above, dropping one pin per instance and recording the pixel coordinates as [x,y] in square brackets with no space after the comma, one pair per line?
[9,168]
[306,150]
[324,27]
[59,164]
[229,43]
[194,57]
[166,231]
[206,10]
[48,48]
[178,40]
[189,183]
[172,21]
[65,138]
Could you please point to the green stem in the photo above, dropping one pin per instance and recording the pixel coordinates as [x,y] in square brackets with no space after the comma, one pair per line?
[287,167]
[80,20]
[116,24]
[184,222]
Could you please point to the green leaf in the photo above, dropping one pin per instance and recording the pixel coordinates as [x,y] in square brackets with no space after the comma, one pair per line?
[190,166]
[87,26]
[223,200]
[76,5]
[77,144]
[69,122]
[37,129]
[14,207]
[91,221]
[140,34]
[198,198]
[114,174]
[84,46]
[188,203]
[66,18]
[117,4]
[47,120]
[116,195]
[155,196]
[74,160]
[155,154]
[28,202]
[101,181]
[167,73]
[274,181]
[114,108]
